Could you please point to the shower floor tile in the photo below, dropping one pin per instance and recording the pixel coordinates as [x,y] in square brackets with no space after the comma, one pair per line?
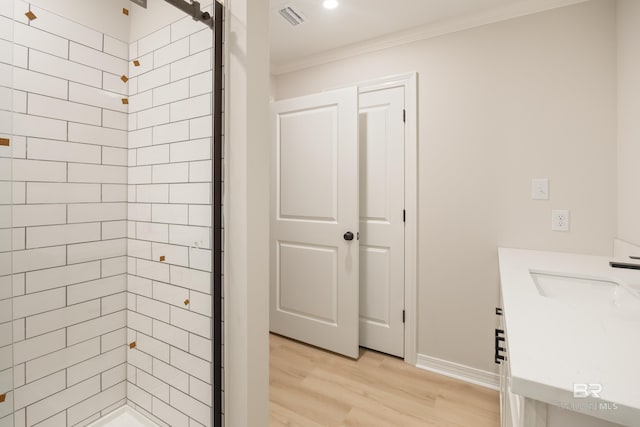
[124,417]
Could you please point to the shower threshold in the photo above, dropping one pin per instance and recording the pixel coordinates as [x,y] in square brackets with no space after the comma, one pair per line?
[124,416]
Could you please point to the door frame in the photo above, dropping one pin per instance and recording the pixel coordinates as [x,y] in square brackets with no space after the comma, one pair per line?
[409,81]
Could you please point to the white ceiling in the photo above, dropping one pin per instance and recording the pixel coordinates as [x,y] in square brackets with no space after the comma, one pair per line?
[356,21]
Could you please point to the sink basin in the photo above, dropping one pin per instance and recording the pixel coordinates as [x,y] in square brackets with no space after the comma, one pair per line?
[588,292]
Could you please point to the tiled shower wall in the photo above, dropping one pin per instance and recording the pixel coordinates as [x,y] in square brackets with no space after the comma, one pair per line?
[6,288]
[69,220]
[169,247]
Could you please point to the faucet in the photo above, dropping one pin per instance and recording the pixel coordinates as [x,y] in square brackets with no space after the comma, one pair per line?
[629,265]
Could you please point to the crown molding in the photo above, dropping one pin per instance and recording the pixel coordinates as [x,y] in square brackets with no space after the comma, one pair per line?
[503,13]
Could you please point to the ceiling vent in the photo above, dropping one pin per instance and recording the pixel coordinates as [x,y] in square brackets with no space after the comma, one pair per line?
[292,16]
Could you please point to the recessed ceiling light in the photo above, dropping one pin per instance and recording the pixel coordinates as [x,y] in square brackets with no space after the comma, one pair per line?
[330,4]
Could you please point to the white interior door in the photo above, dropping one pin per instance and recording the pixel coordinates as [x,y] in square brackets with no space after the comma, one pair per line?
[314,269]
[382,220]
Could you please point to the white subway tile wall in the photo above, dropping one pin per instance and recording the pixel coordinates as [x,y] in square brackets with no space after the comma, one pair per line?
[111,213]
[169,246]
[7,286]
[69,264]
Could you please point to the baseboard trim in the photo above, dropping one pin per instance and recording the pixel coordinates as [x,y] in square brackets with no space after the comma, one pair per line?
[459,372]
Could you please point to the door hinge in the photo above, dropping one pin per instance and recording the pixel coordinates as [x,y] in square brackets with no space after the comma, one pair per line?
[404,116]
[403,316]
[404,215]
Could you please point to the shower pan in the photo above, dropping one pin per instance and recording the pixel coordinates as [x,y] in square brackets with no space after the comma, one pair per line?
[111,214]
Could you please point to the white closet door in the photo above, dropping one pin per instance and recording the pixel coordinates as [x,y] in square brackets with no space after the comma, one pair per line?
[314,267]
[381,220]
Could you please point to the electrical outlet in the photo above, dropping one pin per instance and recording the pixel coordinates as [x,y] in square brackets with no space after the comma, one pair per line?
[560,220]
[540,189]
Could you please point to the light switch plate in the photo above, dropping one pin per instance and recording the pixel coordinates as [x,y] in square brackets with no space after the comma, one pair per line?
[540,189]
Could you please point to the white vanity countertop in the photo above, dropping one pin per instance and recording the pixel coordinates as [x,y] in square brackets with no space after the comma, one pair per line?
[553,345]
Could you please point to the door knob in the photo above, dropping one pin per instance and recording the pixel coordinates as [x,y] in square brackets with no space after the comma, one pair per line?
[348,236]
